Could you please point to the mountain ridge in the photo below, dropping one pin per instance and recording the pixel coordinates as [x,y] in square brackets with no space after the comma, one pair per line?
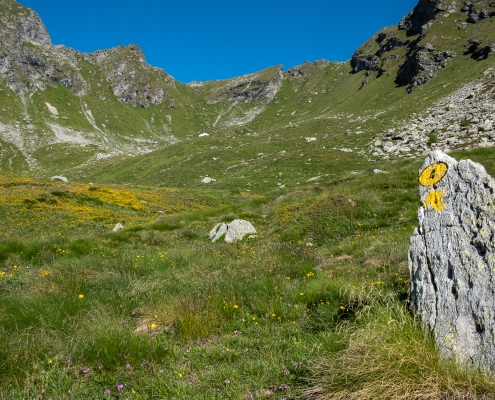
[110,105]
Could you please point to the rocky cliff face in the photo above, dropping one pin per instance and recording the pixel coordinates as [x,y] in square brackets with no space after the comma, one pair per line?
[242,98]
[256,88]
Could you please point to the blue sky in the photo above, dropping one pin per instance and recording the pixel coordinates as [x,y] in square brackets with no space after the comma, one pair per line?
[219,39]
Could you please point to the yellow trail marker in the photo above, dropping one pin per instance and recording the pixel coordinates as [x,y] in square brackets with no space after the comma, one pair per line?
[435,200]
[433,174]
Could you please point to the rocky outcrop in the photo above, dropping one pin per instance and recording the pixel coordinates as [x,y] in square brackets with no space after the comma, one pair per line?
[253,91]
[133,81]
[255,87]
[304,70]
[452,259]
[479,50]
[29,61]
[461,121]
[480,14]
[422,64]
[424,12]
[363,63]
[388,45]
[25,27]
[421,60]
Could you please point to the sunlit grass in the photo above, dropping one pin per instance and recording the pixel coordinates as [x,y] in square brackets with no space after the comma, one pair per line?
[160,310]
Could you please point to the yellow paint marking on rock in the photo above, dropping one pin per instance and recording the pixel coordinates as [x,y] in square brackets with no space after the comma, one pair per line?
[433,174]
[435,200]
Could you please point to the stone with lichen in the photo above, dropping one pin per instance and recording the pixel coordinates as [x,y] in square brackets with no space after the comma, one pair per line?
[452,259]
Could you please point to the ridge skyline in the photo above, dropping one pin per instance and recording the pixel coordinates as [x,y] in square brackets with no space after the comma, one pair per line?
[207,38]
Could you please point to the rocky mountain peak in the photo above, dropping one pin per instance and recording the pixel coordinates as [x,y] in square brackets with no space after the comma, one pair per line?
[133,80]
[29,61]
[20,24]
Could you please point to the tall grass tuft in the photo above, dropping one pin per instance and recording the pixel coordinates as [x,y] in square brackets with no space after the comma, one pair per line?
[389,356]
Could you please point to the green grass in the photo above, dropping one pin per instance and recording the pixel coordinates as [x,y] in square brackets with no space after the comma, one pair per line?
[388,356]
[160,309]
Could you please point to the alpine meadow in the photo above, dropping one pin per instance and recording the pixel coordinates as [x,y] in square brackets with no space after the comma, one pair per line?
[322,159]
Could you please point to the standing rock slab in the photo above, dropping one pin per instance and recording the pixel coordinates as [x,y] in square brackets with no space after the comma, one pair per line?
[452,259]
[233,231]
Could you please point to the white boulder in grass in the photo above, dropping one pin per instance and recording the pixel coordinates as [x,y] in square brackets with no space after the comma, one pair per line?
[233,231]
[118,227]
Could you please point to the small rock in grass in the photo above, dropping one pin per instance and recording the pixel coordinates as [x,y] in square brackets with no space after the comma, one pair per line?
[233,231]
[59,178]
[207,179]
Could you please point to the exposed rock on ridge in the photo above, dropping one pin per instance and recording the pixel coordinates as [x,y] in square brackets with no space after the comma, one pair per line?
[419,60]
[243,97]
[422,64]
[303,70]
[133,81]
[260,87]
[452,259]
[424,12]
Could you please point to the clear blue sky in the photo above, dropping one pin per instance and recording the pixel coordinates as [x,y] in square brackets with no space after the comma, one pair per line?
[218,39]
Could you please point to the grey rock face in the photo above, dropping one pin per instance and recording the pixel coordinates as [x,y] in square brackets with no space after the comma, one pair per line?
[256,90]
[478,15]
[28,60]
[452,259]
[26,28]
